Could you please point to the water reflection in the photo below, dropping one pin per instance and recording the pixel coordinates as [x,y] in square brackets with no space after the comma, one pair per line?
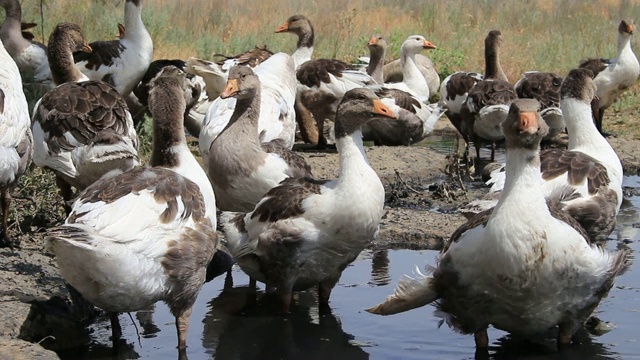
[380,268]
[242,323]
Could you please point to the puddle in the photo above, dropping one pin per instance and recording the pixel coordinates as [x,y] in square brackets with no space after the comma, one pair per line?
[231,323]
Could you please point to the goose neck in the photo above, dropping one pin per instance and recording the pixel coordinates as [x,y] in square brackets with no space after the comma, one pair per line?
[353,160]
[244,122]
[376,65]
[493,69]
[522,184]
[134,26]
[63,68]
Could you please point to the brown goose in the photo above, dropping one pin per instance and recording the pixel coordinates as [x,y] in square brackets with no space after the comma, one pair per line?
[488,101]
[544,87]
[241,168]
[507,269]
[305,232]
[147,234]
[16,140]
[123,62]
[29,55]
[82,129]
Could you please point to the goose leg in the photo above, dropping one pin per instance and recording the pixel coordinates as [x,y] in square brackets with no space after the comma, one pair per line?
[286,295]
[65,191]
[564,336]
[182,327]
[5,239]
[116,330]
[482,339]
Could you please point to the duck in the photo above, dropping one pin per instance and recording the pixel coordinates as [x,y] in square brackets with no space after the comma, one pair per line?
[241,166]
[169,238]
[505,268]
[415,120]
[16,141]
[544,87]
[122,62]
[276,120]
[82,128]
[618,75]
[30,56]
[586,178]
[305,232]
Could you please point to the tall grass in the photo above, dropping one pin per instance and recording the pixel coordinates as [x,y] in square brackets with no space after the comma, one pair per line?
[545,35]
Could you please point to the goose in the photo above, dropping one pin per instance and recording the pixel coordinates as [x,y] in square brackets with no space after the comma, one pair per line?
[123,62]
[82,129]
[505,268]
[488,101]
[30,56]
[146,234]
[301,26]
[415,120]
[241,167]
[276,121]
[619,75]
[544,87]
[16,140]
[393,72]
[305,232]
[586,178]
[454,91]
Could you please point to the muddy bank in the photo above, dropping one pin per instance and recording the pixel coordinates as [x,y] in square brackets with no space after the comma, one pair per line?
[420,213]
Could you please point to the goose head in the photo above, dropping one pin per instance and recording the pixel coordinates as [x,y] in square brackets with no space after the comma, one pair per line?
[243,83]
[297,24]
[357,107]
[377,44]
[415,43]
[135,2]
[626,27]
[68,37]
[578,84]
[524,127]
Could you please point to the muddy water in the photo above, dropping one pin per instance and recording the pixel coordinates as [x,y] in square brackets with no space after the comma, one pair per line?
[230,322]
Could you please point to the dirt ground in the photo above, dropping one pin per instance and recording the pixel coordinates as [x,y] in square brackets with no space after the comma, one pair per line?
[421,213]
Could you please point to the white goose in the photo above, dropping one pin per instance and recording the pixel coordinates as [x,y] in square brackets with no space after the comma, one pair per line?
[544,87]
[276,120]
[304,232]
[82,129]
[412,80]
[30,56]
[123,62]
[415,120]
[148,234]
[241,166]
[587,177]
[620,74]
[15,139]
[393,72]
[519,273]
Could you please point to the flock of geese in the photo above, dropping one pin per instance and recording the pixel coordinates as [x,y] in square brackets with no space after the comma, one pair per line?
[528,259]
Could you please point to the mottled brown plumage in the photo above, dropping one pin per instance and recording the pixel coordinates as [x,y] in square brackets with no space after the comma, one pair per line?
[402,98]
[285,200]
[492,92]
[102,55]
[315,72]
[596,65]
[577,165]
[542,86]
[296,162]
[250,58]
[461,83]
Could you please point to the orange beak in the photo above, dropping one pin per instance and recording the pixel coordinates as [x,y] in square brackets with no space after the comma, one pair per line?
[428,45]
[373,41]
[121,31]
[381,109]
[283,28]
[231,89]
[86,48]
[630,29]
[528,122]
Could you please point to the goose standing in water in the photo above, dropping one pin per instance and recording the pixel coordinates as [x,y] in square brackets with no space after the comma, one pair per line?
[505,268]
[241,167]
[30,56]
[586,179]
[82,129]
[144,235]
[305,232]
[123,62]
[619,75]
[15,138]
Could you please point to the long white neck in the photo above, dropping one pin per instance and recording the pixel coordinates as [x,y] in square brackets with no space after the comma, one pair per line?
[134,27]
[302,55]
[189,167]
[412,76]
[354,165]
[522,184]
[624,46]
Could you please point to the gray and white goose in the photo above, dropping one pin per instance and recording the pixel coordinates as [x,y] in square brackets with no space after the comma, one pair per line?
[15,137]
[507,269]
[30,56]
[147,234]
[586,179]
[415,120]
[123,62]
[241,167]
[82,129]
[305,232]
